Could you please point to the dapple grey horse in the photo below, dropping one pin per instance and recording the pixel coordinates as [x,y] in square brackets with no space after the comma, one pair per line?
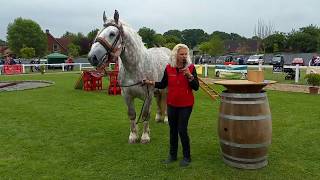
[137,62]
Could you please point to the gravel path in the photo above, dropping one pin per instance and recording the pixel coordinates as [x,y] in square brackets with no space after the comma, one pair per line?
[23,85]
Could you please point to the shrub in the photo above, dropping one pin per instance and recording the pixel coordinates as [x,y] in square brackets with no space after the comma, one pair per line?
[313,79]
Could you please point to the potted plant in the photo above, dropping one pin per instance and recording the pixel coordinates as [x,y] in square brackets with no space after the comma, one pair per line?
[313,80]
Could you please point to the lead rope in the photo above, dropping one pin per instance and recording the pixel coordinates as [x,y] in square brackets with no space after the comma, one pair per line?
[146,118]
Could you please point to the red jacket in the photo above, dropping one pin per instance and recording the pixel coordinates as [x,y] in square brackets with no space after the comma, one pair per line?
[179,91]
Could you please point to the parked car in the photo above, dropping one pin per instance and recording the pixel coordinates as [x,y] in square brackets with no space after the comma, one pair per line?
[228,59]
[255,59]
[296,61]
[277,60]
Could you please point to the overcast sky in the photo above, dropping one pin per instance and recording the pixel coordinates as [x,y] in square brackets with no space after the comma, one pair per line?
[238,16]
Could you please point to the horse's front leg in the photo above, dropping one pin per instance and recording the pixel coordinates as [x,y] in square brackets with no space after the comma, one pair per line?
[145,137]
[133,136]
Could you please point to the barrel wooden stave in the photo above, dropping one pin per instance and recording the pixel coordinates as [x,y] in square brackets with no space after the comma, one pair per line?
[245,129]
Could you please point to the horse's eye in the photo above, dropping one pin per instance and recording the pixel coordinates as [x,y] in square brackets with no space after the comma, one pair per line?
[112,34]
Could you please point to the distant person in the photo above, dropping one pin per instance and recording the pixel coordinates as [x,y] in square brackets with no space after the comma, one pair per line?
[69,67]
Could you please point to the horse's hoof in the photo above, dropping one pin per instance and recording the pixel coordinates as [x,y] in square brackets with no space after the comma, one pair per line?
[132,138]
[130,141]
[159,121]
[158,118]
[145,141]
[165,119]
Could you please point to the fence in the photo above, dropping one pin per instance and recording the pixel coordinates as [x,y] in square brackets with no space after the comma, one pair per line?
[83,66]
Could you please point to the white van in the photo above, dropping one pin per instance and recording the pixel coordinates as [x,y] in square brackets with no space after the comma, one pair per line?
[255,59]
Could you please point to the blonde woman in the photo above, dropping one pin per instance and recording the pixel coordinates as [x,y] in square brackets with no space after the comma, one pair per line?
[181,79]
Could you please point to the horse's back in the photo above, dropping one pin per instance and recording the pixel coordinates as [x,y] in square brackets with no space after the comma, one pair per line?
[159,58]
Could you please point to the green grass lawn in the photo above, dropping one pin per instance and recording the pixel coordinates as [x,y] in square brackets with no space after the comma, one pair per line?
[61,133]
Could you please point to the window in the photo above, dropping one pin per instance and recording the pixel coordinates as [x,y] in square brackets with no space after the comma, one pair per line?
[55,47]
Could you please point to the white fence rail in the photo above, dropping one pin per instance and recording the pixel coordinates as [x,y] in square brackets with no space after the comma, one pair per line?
[83,66]
[62,65]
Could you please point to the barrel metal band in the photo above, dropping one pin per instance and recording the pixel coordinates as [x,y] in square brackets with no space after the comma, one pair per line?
[245,159]
[244,102]
[244,95]
[245,118]
[232,144]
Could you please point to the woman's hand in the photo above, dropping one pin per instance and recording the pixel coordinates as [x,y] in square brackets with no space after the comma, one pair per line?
[187,72]
[147,82]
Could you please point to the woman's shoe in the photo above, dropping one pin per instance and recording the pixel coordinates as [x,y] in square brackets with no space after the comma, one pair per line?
[185,162]
[169,160]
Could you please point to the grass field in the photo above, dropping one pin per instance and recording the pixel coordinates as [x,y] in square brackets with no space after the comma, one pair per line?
[61,133]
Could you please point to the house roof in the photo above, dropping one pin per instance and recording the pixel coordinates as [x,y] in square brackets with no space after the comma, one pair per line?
[63,42]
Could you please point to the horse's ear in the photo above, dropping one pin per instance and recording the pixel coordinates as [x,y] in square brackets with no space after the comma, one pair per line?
[104,17]
[116,16]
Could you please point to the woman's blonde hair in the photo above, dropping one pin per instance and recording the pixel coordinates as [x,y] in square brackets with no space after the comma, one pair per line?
[174,53]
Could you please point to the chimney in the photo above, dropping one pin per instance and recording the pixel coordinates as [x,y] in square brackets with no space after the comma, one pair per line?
[47,31]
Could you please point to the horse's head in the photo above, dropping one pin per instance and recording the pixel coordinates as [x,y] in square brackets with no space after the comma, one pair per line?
[108,43]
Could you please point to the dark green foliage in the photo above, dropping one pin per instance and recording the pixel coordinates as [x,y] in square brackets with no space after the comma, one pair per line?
[148,36]
[193,37]
[275,43]
[313,79]
[26,33]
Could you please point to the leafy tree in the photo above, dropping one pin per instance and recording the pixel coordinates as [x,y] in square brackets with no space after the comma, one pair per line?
[175,33]
[192,37]
[302,42]
[2,43]
[27,53]
[80,40]
[170,45]
[73,50]
[222,35]
[92,34]
[213,47]
[275,42]
[172,39]
[26,33]
[148,36]
[159,40]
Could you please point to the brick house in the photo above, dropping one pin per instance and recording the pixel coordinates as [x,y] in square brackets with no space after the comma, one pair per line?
[57,44]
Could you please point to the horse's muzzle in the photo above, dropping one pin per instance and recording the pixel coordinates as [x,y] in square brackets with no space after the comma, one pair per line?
[93,60]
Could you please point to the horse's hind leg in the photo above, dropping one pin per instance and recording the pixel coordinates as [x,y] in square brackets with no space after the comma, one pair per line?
[163,105]
[132,116]
[158,117]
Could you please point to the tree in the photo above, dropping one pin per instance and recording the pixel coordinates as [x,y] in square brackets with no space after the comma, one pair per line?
[73,50]
[80,40]
[26,33]
[159,40]
[302,42]
[92,35]
[27,53]
[172,39]
[263,30]
[275,42]
[213,47]
[192,37]
[175,33]
[148,36]
[170,45]
[2,43]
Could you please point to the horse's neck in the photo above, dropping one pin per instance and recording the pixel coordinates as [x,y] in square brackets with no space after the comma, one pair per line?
[135,53]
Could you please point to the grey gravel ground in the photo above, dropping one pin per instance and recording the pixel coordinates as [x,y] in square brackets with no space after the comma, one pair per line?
[23,85]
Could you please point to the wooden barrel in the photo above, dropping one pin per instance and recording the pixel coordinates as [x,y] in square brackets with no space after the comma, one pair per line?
[245,129]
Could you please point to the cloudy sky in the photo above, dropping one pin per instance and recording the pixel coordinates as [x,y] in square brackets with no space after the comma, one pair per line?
[239,16]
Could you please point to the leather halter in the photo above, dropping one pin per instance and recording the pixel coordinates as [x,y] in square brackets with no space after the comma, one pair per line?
[111,49]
